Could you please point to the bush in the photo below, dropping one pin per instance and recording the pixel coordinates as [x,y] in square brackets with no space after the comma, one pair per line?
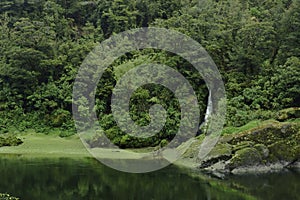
[66,133]
[59,117]
[163,142]
[10,141]
[7,197]
[289,113]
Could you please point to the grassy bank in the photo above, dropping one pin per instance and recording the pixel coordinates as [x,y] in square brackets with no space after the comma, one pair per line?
[47,145]
[51,145]
[42,145]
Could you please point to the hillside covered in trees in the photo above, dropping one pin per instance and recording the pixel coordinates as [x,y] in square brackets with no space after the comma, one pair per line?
[255,44]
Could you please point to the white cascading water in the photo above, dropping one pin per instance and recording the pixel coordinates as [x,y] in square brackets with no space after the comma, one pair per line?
[208,109]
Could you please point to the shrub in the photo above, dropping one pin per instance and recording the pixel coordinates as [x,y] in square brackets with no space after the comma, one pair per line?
[7,197]
[66,133]
[10,141]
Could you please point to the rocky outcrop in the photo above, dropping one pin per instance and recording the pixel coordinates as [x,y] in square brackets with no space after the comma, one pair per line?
[263,149]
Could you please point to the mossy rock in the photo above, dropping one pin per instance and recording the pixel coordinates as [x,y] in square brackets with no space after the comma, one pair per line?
[262,149]
[226,138]
[268,135]
[287,150]
[245,157]
[193,150]
[289,113]
[287,130]
[242,145]
[218,153]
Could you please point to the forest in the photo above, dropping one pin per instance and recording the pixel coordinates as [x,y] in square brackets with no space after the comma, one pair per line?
[255,44]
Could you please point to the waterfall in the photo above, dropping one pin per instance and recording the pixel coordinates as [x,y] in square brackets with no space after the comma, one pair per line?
[208,109]
[203,126]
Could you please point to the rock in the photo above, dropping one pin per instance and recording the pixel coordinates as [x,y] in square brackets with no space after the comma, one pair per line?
[218,153]
[259,168]
[218,174]
[226,138]
[268,134]
[288,130]
[295,164]
[242,145]
[220,167]
[262,149]
[245,157]
[285,150]
[267,148]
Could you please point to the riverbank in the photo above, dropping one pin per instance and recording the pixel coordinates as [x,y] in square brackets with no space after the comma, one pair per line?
[41,145]
[255,148]
[271,146]
[251,144]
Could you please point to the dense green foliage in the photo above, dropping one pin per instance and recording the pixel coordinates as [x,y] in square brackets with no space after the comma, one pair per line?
[255,44]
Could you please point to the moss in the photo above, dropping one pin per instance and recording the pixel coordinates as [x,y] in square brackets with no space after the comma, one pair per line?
[234,130]
[219,152]
[221,149]
[248,127]
[242,145]
[276,142]
[269,134]
[226,138]
[285,151]
[262,149]
[245,157]
[266,144]
[193,150]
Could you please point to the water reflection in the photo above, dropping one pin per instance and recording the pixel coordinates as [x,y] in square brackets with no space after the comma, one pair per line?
[280,185]
[87,179]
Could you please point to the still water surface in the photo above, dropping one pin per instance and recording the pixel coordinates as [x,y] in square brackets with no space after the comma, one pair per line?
[87,179]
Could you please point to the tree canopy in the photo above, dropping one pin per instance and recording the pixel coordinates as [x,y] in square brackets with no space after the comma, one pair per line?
[255,44]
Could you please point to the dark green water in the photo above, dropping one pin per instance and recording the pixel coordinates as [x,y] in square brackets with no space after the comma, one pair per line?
[87,179]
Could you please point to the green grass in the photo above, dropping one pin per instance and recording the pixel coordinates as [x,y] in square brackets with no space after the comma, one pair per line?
[47,145]
[51,145]
[38,144]
[246,127]
[297,120]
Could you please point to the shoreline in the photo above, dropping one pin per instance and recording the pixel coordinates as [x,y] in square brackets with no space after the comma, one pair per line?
[247,152]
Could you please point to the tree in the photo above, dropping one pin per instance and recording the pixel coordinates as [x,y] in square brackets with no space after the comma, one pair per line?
[289,32]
